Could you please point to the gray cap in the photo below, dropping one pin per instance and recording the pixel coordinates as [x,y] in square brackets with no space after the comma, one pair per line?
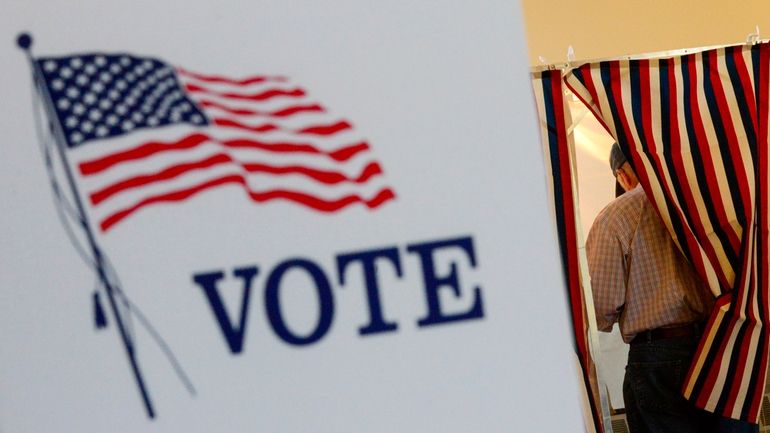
[617,159]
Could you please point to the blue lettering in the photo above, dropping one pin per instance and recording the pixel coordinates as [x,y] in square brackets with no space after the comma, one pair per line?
[371,261]
[433,282]
[208,282]
[325,302]
[368,260]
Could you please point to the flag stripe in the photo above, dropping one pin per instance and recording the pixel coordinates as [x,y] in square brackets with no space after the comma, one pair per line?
[283,112]
[322,130]
[306,199]
[196,139]
[263,95]
[227,80]
[322,176]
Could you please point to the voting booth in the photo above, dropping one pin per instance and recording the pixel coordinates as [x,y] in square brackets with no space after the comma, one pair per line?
[694,123]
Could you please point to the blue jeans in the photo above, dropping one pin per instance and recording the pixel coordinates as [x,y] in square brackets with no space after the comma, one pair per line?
[651,389]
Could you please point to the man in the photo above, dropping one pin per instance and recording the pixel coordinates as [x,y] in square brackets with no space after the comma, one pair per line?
[641,280]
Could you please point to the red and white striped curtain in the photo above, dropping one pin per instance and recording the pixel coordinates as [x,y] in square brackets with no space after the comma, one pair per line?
[555,119]
[695,128]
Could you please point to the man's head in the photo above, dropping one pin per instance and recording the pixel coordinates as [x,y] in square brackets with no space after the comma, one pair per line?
[622,171]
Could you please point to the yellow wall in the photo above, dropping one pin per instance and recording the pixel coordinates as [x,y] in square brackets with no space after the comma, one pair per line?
[608,28]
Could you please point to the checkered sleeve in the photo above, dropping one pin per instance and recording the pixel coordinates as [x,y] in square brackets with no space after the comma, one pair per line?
[605,253]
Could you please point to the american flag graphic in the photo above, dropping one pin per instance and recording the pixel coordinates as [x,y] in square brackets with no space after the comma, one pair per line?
[140,133]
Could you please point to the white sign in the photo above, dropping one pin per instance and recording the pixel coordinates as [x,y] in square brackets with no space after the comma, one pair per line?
[276,217]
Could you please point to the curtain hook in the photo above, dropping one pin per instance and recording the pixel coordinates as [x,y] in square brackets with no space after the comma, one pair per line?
[753,38]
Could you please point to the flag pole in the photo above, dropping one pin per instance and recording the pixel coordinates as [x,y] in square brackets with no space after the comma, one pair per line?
[24,41]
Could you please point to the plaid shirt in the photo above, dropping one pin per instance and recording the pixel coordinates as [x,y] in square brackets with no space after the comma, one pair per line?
[638,275]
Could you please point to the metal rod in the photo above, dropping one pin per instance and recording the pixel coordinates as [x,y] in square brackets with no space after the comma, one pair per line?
[643,56]
[24,41]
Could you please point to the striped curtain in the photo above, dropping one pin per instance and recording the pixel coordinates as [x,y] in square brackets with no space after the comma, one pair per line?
[555,118]
[695,128]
